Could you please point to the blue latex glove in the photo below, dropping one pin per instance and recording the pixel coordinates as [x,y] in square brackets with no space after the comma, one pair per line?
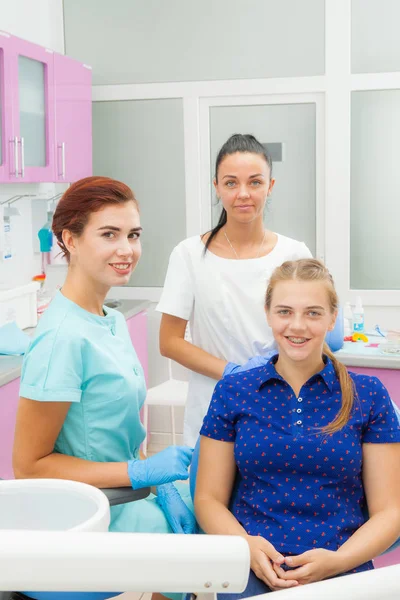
[179,517]
[164,467]
[252,363]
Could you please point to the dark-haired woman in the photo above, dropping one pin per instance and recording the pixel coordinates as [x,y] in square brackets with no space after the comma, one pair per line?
[82,386]
[217,281]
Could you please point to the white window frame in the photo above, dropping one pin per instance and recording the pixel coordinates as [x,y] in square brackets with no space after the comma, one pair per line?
[332,95]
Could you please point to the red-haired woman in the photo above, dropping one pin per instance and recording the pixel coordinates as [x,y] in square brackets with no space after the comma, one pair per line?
[82,386]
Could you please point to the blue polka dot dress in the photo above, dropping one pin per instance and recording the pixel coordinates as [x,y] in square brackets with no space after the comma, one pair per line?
[299,488]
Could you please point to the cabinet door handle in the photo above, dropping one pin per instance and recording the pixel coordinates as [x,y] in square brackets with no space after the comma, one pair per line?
[63,159]
[14,141]
[62,147]
[21,141]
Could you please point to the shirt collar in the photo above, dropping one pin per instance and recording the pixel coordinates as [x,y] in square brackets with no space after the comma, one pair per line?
[327,374]
[108,320]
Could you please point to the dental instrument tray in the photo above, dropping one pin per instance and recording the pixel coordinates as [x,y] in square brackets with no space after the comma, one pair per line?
[392,348]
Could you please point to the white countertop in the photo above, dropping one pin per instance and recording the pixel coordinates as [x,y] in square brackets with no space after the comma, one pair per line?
[359,354]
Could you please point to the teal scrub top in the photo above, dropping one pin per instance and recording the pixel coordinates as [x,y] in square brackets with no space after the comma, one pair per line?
[88,360]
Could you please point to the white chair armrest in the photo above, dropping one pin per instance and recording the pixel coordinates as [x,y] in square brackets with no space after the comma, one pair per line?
[91,562]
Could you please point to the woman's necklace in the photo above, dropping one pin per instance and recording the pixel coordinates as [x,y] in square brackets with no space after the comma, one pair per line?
[234,251]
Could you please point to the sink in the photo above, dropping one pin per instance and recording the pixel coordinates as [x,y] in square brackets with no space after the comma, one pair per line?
[112,303]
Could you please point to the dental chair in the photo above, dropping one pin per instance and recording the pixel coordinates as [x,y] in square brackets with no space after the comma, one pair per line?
[378,584]
[115,497]
[86,564]
[123,562]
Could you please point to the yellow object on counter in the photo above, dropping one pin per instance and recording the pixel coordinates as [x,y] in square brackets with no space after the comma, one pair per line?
[359,337]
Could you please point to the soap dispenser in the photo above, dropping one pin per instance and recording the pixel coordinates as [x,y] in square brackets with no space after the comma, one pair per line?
[348,319]
[358,316]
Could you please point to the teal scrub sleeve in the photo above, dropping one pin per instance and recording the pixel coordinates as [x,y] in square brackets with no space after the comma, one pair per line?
[53,368]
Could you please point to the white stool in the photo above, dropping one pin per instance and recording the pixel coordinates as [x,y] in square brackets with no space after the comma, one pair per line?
[172,392]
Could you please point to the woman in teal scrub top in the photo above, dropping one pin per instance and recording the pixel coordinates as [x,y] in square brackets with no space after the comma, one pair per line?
[82,386]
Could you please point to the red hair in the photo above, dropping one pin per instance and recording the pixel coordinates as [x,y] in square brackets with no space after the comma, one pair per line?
[84,197]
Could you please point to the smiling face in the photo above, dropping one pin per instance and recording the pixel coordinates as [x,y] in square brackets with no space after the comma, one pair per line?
[300,315]
[243,185]
[109,247]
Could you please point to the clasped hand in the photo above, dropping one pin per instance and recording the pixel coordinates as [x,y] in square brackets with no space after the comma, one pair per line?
[313,565]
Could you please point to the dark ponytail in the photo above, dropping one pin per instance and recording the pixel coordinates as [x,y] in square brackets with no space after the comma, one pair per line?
[221,222]
[238,142]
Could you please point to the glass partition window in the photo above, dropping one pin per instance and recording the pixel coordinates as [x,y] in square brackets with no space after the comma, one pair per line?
[32,110]
[289,131]
[140,142]
[375,190]
[196,40]
[375,40]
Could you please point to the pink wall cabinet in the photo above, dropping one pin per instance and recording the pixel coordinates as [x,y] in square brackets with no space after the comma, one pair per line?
[386,560]
[32,83]
[73,119]
[9,396]
[8,143]
[45,110]
[391,380]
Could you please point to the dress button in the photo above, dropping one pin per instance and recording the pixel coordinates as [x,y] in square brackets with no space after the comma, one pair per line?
[299,422]
[136,370]
[299,399]
[299,410]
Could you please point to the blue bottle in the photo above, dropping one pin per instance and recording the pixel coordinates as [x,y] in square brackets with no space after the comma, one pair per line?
[335,338]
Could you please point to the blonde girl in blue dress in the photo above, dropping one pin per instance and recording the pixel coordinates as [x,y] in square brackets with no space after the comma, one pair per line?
[314,446]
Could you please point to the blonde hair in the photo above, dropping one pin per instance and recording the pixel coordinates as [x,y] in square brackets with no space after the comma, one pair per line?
[310,269]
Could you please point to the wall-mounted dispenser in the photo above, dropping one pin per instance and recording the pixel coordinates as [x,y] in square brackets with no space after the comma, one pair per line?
[6,212]
[276,150]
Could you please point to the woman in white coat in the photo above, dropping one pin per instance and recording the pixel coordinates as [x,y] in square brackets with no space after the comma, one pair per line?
[217,281]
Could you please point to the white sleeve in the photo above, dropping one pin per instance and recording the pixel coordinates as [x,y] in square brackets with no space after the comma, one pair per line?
[302,251]
[177,297]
